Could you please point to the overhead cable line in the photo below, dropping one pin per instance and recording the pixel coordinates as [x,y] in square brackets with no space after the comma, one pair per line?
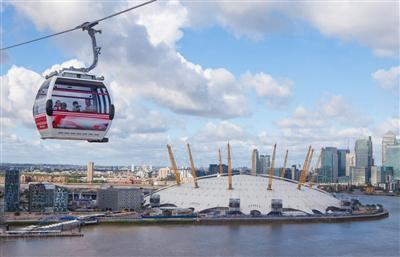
[83,26]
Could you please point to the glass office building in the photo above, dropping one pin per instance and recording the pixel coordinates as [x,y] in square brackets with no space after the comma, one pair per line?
[342,161]
[11,196]
[329,165]
[363,153]
[393,159]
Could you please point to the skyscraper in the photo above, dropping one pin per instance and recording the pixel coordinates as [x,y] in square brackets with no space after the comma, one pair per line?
[2,218]
[358,175]
[342,161]
[392,156]
[214,169]
[329,165]
[363,153]
[350,162]
[264,164]
[293,172]
[377,175]
[389,138]
[391,153]
[257,160]
[12,190]
[90,169]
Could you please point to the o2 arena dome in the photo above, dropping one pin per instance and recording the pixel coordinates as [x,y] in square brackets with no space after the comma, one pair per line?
[250,193]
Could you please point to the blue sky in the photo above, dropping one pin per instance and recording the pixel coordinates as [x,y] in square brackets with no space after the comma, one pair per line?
[253,73]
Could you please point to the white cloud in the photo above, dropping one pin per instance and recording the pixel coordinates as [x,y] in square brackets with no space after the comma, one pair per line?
[136,119]
[331,109]
[390,124]
[67,64]
[274,93]
[336,107]
[331,122]
[300,119]
[133,57]
[253,19]
[225,131]
[131,149]
[18,92]
[207,140]
[58,15]
[388,79]
[164,22]
[354,133]
[372,24]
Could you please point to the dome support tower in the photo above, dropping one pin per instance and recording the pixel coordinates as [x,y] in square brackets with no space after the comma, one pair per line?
[271,170]
[229,168]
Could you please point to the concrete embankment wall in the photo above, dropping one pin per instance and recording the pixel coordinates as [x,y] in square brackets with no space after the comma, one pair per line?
[241,220]
[248,220]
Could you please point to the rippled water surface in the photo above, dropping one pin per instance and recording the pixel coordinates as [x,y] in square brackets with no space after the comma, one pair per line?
[365,238]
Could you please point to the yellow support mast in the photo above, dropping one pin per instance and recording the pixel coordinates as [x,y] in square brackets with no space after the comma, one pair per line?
[193,168]
[229,168]
[173,164]
[253,163]
[315,173]
[220,162]
[271,170]
[284,165]
[303,171]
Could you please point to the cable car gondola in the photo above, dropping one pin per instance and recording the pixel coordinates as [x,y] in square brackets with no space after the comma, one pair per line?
[73,104]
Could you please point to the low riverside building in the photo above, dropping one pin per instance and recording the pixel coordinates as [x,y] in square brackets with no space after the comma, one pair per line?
[82,199]
[41,197]
[60,199]
[46,197]
[117,199]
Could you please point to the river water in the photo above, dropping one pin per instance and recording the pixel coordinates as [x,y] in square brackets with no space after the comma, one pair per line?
[360,238]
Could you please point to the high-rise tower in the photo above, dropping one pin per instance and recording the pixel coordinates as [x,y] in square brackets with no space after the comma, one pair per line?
[90,170]
[12,191]
[363,153]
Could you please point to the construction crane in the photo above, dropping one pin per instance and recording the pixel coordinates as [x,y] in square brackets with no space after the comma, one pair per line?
[304,168]
[220,163]
[193,168]
[173,164]
[253,163]
[271,170]
[314,174]
[284,165]
[229,168]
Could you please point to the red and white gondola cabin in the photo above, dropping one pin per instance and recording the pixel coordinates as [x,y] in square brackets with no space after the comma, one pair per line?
[73,105]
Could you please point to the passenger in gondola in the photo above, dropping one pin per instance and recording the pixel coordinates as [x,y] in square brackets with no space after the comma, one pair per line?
[89,106]
[64,107]
[57,105]
[76,107]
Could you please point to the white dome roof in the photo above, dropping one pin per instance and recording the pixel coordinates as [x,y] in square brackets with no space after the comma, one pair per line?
[252,192]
